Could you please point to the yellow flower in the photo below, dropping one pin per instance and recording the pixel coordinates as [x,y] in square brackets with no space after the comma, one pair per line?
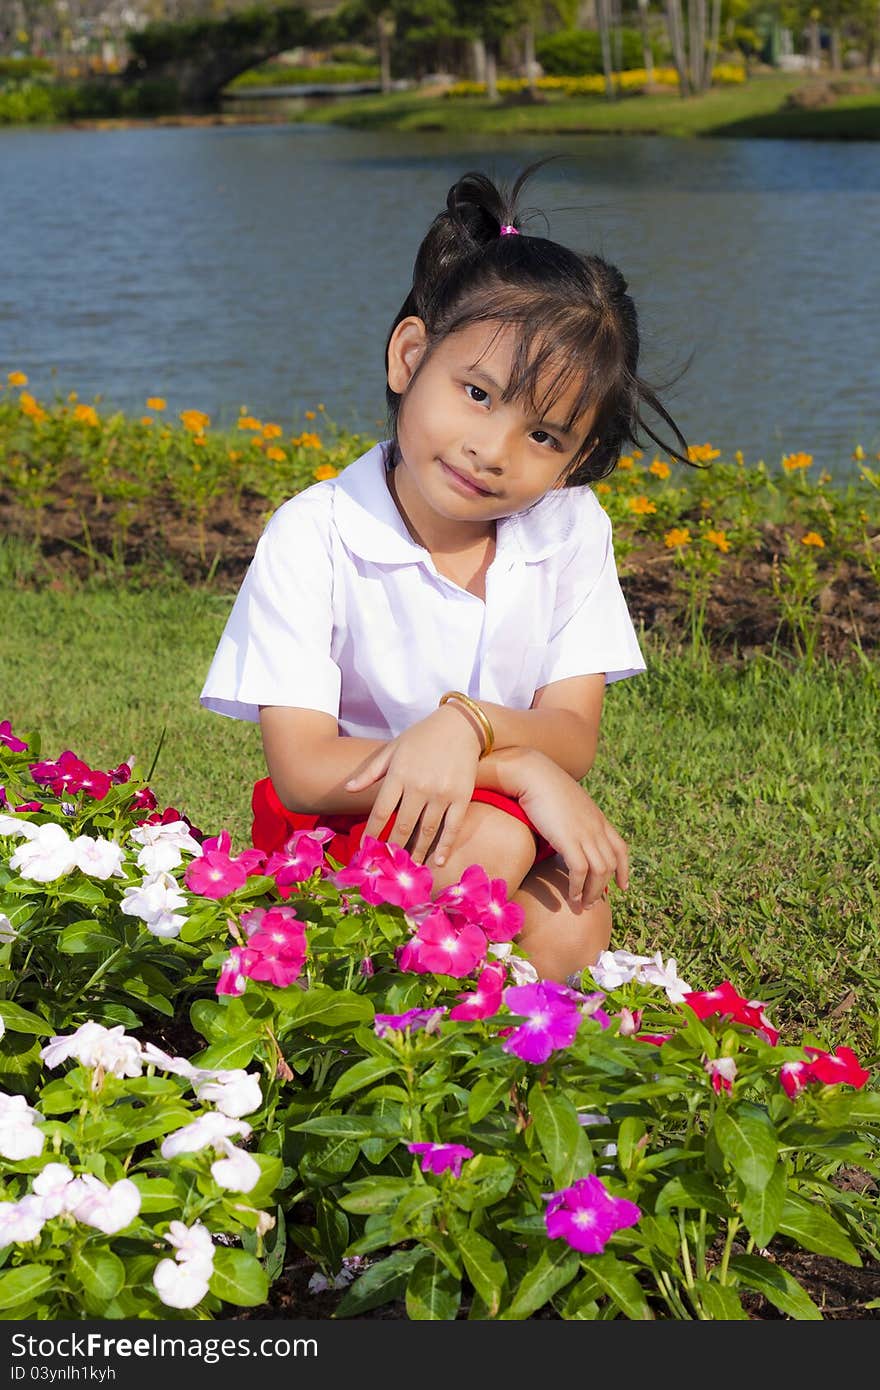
[31,407]
[322,407]
[249,422]
[740,457]
[17,379]
[792,461]
[718,538]
[637,454]
[678,536]
[195,421]
[625,461]
[603,487]
[272,431]
[87,415]
[702,453]
[813,538]
[307,441]
[156,403]
[858,453]
[325,470]
[705,504]
[310,415]
[642,506]
[146,419]
[72,396]
[197,468]
[234,455]
[863,516]
[660,469]
[198,439]
[276,455]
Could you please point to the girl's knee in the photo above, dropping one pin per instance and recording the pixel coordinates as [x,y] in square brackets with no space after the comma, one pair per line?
[502,845]
[560,940]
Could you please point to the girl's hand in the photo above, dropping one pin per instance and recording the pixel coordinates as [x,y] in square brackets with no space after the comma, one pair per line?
[430,771]
[564,814]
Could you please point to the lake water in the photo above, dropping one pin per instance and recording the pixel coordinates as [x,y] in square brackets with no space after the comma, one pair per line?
[262,266]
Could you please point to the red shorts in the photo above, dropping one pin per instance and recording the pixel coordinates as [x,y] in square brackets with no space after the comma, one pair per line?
[274,824]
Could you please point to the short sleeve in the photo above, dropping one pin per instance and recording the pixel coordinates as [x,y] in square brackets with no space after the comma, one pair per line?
[275,648]
[591,628]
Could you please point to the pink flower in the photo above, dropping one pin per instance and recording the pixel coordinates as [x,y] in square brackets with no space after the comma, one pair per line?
[485,1000]
[552,1020]
[214,875]
[234,971]
[587,1216]
[121,774]
[386,873]
[655,1039]
[8,739]
[302,854]
[722,1070]
[483,903]
[275,965]
[840,1067]
[629,1021]
[97,784]
[445,949]
[437,1158]
[69,775]
[794,1077]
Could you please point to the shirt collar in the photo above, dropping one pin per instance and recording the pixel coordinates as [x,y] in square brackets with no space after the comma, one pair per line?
[371,527]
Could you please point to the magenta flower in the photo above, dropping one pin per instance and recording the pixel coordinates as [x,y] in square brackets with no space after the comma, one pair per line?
[483,903]
[410,1022]
[8,739]
[251,860]
[386,873]
[485,1000]
[214,875]
[144,800]
[587,1216]
[121,774]
[274,964]
[302,854]
[655,1039]
[234,971]
[437,1158]
[552,1020]
[446,949]
[794,1077]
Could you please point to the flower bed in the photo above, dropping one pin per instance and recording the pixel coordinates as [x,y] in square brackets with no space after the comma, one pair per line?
[384,1086]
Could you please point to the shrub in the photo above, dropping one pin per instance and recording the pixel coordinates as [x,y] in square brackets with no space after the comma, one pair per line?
[578,53]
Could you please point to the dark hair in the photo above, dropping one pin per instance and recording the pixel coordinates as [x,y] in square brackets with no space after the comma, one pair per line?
[575,317]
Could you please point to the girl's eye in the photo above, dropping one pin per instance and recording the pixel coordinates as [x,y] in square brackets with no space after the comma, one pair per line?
[545,436]
[480,397]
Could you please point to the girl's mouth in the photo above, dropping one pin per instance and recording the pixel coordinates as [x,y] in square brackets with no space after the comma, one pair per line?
[464,483]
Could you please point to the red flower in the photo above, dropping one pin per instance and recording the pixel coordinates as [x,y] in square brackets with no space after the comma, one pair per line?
[840,1067]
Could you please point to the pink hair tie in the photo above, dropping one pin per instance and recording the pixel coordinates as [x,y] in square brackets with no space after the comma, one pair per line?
[508,230]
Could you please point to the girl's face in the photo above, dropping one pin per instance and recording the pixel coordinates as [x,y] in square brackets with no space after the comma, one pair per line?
[465,453]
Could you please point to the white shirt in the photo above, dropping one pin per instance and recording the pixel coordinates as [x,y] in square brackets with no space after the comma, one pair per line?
[342,611]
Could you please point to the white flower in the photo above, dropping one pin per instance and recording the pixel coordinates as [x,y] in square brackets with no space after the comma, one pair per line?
[98,858]
[179,1285]
[13,825]
[2,1025]
[7,930]
[46,855]
[81,1045]
[616,968]
[237,1171]
[234,1093]
[178,1066]
[52,1186]
[18,1137]
[522,972]
[93,1045]
[162,845]
[194,1246]
[155,901]
[20,1221]
[109,1209]
[202,1133]
[654,972]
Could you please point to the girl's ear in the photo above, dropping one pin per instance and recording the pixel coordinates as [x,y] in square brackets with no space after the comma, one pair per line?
[406,348]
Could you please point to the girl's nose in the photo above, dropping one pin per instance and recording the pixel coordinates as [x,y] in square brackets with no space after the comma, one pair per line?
[488,449]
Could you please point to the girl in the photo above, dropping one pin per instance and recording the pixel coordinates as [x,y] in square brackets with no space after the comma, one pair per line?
[426,638]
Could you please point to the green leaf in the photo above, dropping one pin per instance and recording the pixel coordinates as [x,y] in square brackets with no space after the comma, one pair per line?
[631,1130]
[375,1194]
[748,1141]
[556,1267]
[776,1285]
[86,891]
[352,1126]
[412,1215]
[485,1268]
[83,938]
[157,1194]
[432,1293]
[816,1230]
[101,1273]
[617,1280]
[691,1190]
[28,1281]
[19,1020]
[238,1278]
[231,1053]
[361,1074]
[558,1131]
[380,1284]
[485,1095]
[332,1158]
[484,1180]
[320,1004]
[761,1207]
[720,1301]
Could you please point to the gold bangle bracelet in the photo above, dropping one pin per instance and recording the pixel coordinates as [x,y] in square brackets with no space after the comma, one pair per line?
[481,718]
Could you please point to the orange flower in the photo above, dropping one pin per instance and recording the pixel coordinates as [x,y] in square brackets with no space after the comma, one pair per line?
[198,439]
[740,457]
[72,396]
[31,407]
[249,422]
[626,462]
[276,455]
[87,415]
[310,415]
[325,470]
[17,379]
[272,431]
[678,536]
[660,469]
[603,487]
[306,441]
[195,421]
[813,538]
[642,506]
[637,454]
[793,461]
[146,419]
[705,504]
[234,455]
[156,403]
[702,453]
[718,538]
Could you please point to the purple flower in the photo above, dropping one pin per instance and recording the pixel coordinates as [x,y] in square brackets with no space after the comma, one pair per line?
[586,1215]
[412,1020]
[436,1158]
[7,737]
[553,1015]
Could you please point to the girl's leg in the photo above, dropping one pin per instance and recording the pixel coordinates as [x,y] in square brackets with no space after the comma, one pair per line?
[504,846]
[557,938]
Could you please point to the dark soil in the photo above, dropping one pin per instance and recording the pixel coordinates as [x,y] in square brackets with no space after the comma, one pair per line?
[742,614]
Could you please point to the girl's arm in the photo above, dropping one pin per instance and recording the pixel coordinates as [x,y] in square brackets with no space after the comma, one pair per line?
[563,723]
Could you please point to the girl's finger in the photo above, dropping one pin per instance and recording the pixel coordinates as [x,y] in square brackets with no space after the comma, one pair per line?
[428,827]
[369,774]
[383,809]
[452,823]
[405,821]
[578,871]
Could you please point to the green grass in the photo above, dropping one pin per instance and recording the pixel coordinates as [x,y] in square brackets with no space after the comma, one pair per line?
[746,793]
[756,108]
